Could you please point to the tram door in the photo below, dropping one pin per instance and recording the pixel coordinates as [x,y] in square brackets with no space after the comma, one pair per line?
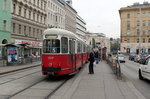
[72,53]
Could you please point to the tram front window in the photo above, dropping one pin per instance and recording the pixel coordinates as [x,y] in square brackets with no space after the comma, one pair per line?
[51,46]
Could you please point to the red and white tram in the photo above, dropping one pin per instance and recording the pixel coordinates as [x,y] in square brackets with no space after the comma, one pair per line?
[63,52]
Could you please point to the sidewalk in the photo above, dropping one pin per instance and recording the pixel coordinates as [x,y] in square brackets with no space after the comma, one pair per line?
[101,85]
[7,69]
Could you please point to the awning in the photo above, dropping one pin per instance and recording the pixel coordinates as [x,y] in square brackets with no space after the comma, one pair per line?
[13,45]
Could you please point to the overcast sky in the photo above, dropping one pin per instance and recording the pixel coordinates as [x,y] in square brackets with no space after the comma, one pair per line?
[102,16]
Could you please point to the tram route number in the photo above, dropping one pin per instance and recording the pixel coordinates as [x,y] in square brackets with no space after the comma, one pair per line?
[50,57]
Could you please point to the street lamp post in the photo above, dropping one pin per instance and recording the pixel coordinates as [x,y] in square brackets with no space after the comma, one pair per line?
[139,36]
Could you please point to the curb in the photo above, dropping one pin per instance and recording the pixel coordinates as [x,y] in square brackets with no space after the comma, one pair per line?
[19,69]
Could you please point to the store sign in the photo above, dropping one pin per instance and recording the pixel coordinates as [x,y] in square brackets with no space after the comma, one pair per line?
[32,43]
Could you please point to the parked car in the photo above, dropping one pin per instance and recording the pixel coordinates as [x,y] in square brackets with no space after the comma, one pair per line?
[144,70]
[132,56]
[137,58]
[121,58]
[143,58]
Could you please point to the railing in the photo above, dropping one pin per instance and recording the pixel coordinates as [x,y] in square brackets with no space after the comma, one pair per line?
[115,65]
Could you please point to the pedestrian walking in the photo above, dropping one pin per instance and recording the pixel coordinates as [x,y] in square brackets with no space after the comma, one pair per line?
[96,54]
[91,60]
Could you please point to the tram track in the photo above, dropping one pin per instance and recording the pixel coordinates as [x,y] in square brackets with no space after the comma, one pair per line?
[57,87]
[19,78]
[16,93]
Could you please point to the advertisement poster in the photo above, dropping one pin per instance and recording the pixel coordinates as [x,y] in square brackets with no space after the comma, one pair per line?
[12,55]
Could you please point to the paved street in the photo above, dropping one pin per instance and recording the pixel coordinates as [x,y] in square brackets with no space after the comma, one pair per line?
[101,85]
[130,70]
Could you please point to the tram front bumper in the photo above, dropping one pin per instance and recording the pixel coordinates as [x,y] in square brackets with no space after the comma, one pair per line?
[51,68]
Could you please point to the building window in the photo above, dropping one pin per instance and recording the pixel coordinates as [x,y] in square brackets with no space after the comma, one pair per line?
[44,20]
[33,32]
[14,8]
[128,25]
[149,40]
[29,14]
[144,23]
[19,29]
[38,3]
[138,32]
[4,25]
[128,41]
[138,40]
[25,11]
[5,5]
[29,31]
[38,17]
[143,40]
[34,16]
[37,33]
[41,4]
[56,19]
[14,25]
[44,5]
[143,32]
[25,31]
[138,23]
[138,15]
[128,15]
[148,22]
[20,11]
[41,19]
[34,2]
[148,32]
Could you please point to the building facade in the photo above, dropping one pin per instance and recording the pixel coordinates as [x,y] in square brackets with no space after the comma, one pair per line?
[5,24]
[28,24]
[70,17]
[80,27]
[55,14]
[98,40]
[135,28]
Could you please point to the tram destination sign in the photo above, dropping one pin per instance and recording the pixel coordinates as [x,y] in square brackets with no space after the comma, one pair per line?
[51,36]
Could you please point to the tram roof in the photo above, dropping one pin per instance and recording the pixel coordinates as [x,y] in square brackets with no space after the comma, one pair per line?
[61,32]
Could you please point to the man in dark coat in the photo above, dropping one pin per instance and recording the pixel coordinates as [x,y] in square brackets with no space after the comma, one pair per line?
[91,60]
[96,54]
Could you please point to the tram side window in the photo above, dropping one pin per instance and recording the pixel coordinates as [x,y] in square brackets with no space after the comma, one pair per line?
[64,45]
[79,47]
[51,46]
[72,46]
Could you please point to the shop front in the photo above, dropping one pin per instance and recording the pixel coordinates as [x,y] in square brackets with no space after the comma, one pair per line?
[32,50]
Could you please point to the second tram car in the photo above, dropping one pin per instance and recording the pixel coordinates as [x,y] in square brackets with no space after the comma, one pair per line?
[63,52]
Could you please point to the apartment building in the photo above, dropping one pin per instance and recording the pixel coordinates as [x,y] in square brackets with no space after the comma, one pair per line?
[135,28]
[5,24]
[80,27]
[28,20]
[70,17]
[56,14]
